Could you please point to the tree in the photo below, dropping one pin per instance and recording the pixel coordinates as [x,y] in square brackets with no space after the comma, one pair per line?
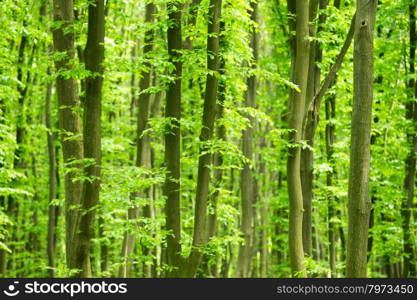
[359,201]
[53,211]
[143,142]
[94,58]
[410,163]
[245,173]
[247,179]
[69,120]
[205,158]
[173,137]
[296,107]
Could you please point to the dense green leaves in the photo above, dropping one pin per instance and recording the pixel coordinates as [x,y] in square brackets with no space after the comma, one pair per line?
[24,165]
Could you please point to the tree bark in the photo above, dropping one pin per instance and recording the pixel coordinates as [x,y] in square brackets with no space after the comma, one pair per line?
[246,178]
[143,157]
[143,142]
[218,158]
[358,194]
[331,200]
[94,58]
[205,159]
[52,209]
[297,100]
[306,168]
[410,162]
[69,119]
[173,140]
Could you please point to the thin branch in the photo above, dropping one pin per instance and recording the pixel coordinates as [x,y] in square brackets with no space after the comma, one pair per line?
[329,79]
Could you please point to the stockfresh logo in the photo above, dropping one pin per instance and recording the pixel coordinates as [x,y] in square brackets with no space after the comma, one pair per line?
[62,288]
[12,290]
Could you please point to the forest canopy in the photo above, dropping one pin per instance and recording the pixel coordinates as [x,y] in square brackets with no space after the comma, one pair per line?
[208,138]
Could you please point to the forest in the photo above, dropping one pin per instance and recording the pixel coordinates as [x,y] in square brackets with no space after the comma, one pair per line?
[208,138]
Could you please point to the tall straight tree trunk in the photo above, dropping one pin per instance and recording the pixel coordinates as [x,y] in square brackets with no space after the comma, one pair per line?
[143,142]
[104,247]
[3,253]
[18,161]
[306,168]
[332,200]
[69,119]
[264,209]
[52,209]
[330,136]
[94,57]
[143,154]
[124,267]
[173,140]
[264,253]
[314,96]
[205,158]
[246,178]
[358,194]
[218,158]
[296,102]
[410,162]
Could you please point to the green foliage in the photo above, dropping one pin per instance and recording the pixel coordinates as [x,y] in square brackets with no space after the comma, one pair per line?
[125,187]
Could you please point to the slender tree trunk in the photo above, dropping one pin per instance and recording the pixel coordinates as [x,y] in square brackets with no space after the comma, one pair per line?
[247,179]
[148,209]
[264,272]
[205,158]
[264,208]
[143,142]
[18,163]
[125,265]
[306,167]
[20,160]
[218,157]
[296,104]
[104,247]
[332,200]
[3,253]
[52,209]
[69,120]
[143,155]
[359,201]
[410,162]
[173,140]
[94,57]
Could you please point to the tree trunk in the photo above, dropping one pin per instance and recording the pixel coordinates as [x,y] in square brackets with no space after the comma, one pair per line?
[410,162]
[297,100]
[104,247]
[247,179]
[69,119]
[143,142]
[143,157]
[205,159]
[218,157]
[94,57]
[358,194]
[173,140]
[127,238]
[52,209]
[306,168]
[331,200]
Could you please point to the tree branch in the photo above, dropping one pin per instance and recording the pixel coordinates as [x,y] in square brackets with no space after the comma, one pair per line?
[329,79]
